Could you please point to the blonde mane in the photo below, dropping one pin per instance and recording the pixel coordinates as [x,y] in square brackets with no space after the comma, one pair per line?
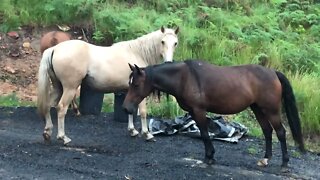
[147,47]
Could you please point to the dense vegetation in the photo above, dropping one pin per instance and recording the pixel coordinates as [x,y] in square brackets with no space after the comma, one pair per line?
[281,34]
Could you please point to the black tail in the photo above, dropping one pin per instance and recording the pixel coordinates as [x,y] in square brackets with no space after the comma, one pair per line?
[291,110]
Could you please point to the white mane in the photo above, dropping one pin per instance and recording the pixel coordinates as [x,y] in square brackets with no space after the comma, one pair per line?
[147,47]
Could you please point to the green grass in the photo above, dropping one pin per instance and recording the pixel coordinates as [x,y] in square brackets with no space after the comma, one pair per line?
[307,91]
[108,102]
[253,150]
[13,101]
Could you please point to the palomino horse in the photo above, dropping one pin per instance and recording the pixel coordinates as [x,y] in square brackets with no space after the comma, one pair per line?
[103,68]
[200,87]
[53,38]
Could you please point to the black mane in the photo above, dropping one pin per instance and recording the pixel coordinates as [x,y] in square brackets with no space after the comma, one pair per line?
[150,73]
[192,65]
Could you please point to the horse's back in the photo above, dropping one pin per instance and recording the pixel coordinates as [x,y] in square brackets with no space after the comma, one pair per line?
[241,72]
[73,49]
[240,86]
[71,60]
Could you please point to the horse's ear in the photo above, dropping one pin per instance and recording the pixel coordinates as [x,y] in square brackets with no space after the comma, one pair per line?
[177,30]
[162,29]
[131,67]
[138,69]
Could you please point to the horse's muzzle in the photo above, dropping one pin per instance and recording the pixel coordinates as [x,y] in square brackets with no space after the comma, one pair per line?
[129,108]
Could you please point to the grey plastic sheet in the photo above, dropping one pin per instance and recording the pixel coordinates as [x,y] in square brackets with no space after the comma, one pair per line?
[219,128]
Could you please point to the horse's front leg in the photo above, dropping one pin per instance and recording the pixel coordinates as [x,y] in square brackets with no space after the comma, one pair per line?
[143,115]
[200,117]
[133,132]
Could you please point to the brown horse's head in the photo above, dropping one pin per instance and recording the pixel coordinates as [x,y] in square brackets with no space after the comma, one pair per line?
[139,88]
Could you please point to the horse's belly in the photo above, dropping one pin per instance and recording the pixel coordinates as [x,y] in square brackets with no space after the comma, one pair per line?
[227,110]
[229,106]
[106,85]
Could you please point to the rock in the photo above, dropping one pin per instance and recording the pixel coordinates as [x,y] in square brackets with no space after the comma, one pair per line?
[10,70]
[13,34]
[14,53]
[26,45]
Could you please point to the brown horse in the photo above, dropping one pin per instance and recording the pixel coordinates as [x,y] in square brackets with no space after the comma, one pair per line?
[53,38]
[200,87]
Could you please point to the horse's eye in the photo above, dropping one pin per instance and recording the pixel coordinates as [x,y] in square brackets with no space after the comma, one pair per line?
[175,44]
[162,42]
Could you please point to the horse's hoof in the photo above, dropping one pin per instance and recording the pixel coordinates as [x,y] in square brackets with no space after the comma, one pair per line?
[284,169]
[151,140]
[77,113]
[46,137]
[133,132]
[209,161]
[65,139]
[262,162]
[148,137]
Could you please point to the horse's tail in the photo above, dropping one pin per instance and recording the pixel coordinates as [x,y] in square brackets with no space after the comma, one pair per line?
[291,110]
[43,99]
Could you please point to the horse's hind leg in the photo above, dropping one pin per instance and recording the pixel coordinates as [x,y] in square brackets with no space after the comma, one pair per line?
[267,132]
[143,115]
[275,120]
[62,108]
[202,123]
[49,126]
[75,106]
[55,95]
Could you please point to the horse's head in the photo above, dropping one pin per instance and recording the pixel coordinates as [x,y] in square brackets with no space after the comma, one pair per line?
[168,43]
[139,88]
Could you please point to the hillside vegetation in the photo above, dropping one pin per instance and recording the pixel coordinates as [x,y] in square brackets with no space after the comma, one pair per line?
[276,33]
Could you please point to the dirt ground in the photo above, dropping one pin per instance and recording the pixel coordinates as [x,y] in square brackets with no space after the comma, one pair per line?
[20,57]
[102,149]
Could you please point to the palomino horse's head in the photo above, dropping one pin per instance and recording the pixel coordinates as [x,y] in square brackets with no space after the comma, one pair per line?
[168,43]
[139,88]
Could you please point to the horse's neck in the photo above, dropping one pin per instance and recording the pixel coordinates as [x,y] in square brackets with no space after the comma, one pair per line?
[145,48]
[167,80]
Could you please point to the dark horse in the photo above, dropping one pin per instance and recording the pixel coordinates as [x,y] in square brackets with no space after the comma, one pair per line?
[200,87]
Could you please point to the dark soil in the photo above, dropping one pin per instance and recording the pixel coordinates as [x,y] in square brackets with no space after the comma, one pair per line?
[102,149]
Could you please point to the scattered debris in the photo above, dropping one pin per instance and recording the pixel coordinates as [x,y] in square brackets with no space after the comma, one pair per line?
[63,27]
[219,128]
